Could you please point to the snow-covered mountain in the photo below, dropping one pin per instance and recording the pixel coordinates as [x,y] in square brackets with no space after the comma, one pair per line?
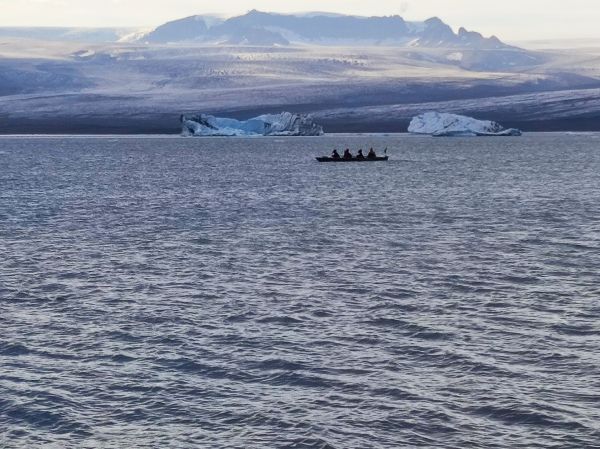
[179,30]
[378,76]
[262,28]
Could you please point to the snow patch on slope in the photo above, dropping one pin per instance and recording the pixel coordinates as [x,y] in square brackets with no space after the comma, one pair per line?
[456,56]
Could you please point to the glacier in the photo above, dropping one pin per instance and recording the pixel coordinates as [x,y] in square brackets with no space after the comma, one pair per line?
[446,125]
[284,124]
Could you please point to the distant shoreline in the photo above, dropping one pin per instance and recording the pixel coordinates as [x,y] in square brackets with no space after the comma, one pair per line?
[326,136]
[169,125]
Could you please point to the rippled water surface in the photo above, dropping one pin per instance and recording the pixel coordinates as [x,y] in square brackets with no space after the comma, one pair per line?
[176,293]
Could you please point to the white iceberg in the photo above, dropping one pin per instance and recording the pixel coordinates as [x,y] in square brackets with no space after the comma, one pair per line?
[284,124]
[440,125]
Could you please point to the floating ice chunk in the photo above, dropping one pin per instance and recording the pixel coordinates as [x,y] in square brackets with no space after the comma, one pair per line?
[441,124]
[284,124]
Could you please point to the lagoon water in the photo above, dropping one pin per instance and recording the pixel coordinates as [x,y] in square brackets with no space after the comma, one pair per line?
[177,293]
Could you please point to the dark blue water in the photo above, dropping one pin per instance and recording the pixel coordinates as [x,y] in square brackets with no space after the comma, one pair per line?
[177,293]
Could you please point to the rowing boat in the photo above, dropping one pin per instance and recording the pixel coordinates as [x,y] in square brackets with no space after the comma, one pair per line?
[331,159]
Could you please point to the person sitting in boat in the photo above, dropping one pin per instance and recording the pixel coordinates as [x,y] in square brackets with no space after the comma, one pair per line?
[335,154]
[360,155]
[347,154]
[372,154]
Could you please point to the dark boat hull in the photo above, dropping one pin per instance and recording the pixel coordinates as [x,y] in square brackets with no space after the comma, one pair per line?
[330,159]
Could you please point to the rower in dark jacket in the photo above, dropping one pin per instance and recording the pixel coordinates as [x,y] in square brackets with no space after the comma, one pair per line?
[335,155]
[372,154]
[360,155]
[347,154]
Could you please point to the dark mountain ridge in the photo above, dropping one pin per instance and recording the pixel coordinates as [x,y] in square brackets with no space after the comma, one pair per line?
[262,28]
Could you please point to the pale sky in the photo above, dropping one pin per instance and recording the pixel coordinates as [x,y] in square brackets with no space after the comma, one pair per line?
[508,19]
